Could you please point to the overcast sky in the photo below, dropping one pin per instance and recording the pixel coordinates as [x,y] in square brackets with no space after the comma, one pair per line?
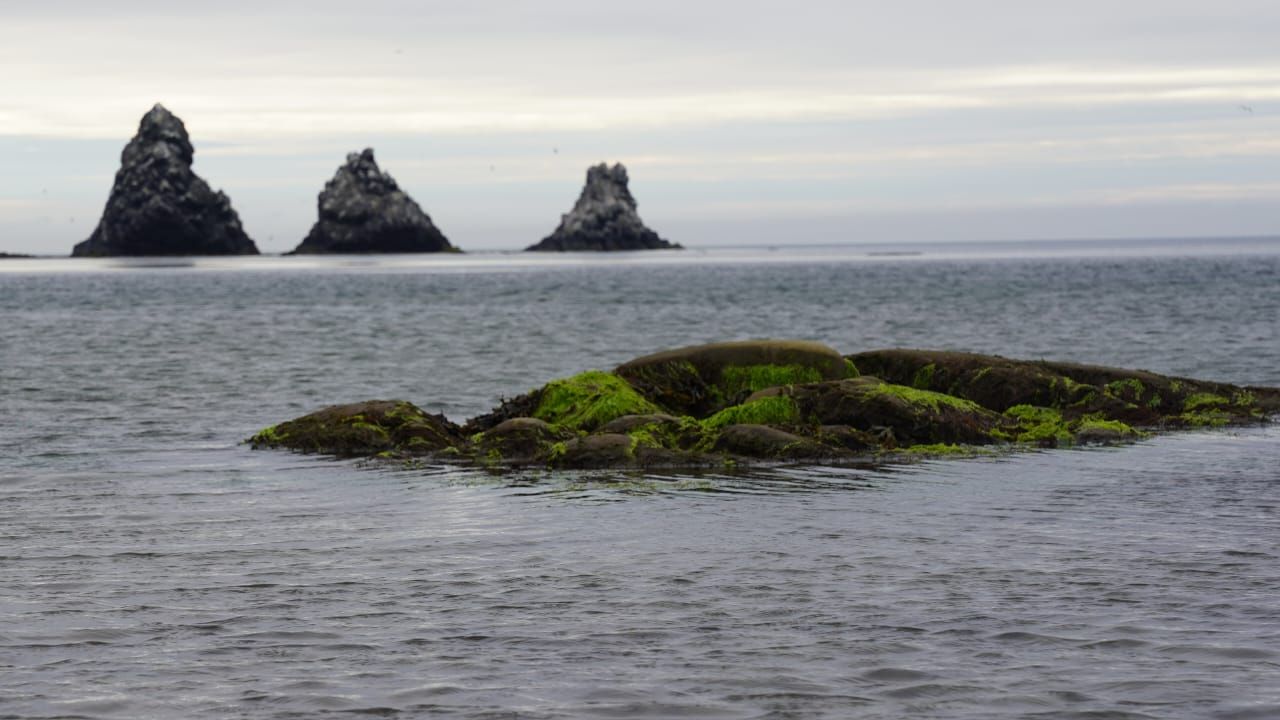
[740,122]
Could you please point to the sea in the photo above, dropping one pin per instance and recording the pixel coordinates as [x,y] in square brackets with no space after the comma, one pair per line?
[153,565]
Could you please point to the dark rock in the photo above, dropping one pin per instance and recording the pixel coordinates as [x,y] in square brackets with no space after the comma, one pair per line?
[763,441]
[519,440]
[1104,434]
[848,438]
[596,451]
[365,428]
[780,401]
[896,414]
[362,210]
[604,218]
[7,256]
[702,379]
[508,408]
[629,423]
[158,206]
[1135,397]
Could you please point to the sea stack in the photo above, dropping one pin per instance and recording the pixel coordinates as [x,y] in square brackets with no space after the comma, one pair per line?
[362,210]
[158,206]
[604,218]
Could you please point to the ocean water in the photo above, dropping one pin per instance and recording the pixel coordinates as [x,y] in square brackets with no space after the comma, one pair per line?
[154,567]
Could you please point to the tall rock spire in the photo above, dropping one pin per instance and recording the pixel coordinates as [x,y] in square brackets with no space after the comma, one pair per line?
[362,210]
[158,206]
[604,218]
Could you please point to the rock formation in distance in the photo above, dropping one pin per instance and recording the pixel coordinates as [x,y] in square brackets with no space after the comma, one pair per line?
[363,210]
[158,206]
[604,218]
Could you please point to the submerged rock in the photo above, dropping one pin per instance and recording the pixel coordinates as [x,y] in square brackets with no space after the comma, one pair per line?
[363,210]
[786,401]
[158,206]
[604,218]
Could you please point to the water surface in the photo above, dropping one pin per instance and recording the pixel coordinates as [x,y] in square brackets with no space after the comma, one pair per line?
[155,567]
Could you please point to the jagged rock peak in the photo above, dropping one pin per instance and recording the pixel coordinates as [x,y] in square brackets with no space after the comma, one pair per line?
[606,186]
[361,167]
[159,129]
[603,218]
[363,210]
[158,206]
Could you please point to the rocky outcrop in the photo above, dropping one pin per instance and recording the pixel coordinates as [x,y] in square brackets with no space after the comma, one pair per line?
[706,379]
[787,401]
[604,218]
[364,428]
[363,210]
[1135,397]
[158,206]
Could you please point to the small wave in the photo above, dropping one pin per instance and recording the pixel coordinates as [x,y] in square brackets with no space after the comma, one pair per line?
[1019,636]
[931,690]
[897,675]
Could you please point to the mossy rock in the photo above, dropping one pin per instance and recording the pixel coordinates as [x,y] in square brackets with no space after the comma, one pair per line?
[703,379]
[767,442]
[1135,397]
[518,441]
[1103,432]
[785,402]
[590,399]
[365,428]
[1048,427]
[895,414]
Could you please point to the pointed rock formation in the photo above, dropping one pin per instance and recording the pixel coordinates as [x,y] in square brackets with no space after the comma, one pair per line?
[604,218]
[158,206]
[362,210]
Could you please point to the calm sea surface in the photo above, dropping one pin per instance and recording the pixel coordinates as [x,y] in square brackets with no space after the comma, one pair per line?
[151,566]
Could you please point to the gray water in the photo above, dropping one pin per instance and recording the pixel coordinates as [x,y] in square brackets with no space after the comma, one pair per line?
[154,567]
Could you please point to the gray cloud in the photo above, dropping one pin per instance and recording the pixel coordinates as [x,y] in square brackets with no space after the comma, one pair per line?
[987,113]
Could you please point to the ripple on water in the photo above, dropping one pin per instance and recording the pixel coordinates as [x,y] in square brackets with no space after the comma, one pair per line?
[154,568]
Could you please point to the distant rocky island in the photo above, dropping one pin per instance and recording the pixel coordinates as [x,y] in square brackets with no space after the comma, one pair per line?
[158,206]
[603,219]
[363,210]
[7,256]
[729,404]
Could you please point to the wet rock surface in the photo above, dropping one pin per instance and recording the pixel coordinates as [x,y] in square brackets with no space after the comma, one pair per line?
[786,401]
[363,210]
[365,428]
[1135,397]
[604,218]
[158,206]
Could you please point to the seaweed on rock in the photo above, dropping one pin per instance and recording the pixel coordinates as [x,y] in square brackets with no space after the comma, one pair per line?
[786,401]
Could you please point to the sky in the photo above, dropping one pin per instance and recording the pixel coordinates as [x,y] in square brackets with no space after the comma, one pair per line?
[741,123]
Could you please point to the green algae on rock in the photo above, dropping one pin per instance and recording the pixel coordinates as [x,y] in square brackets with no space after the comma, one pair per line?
[704,379]
[364,428]
[728,404]
[1135,397]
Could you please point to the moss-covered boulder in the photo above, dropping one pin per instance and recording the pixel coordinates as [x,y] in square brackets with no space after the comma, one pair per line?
[702,379]
[365,428]
[896,414]
[519,441]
